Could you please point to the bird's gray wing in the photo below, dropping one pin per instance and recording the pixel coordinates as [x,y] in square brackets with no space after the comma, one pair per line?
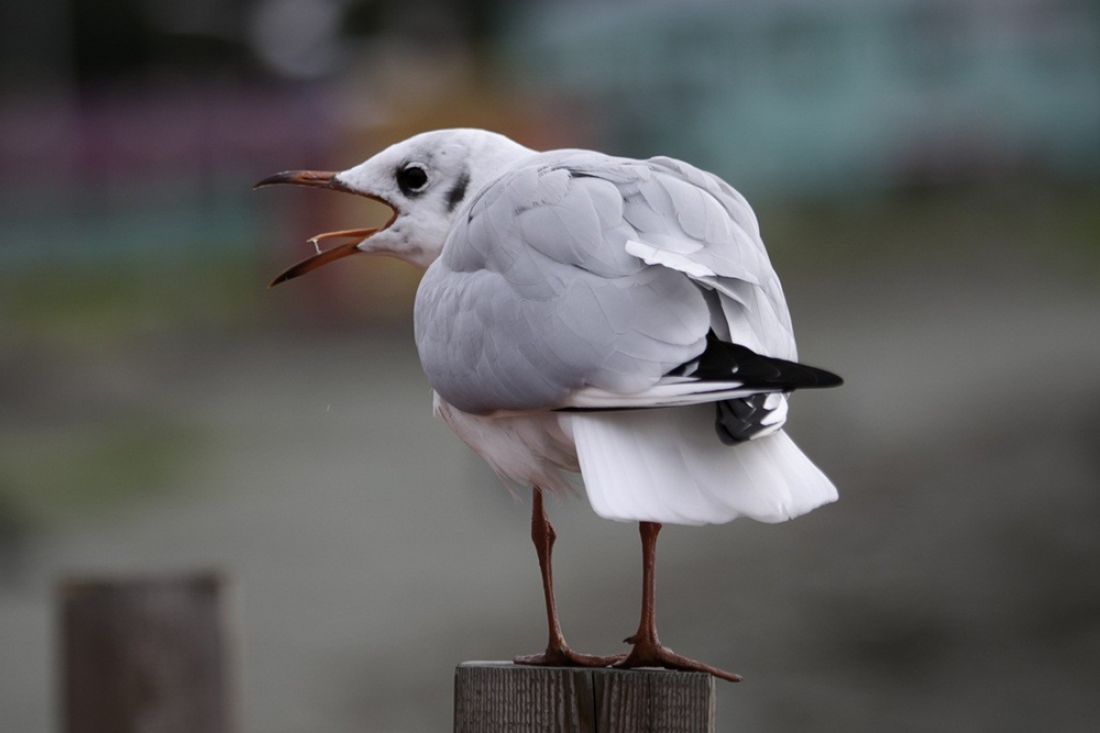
[581,273]
[726,254]
[692,221]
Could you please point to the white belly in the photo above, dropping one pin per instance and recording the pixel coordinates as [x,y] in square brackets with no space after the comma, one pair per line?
[663,465]
[531,449]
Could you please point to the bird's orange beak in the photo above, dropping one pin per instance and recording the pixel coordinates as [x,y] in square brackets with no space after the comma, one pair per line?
[322,179]
[317,179]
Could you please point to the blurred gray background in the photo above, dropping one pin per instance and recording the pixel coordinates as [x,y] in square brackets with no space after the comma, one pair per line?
[926,175]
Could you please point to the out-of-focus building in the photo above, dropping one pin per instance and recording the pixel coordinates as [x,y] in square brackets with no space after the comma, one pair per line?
[814,96]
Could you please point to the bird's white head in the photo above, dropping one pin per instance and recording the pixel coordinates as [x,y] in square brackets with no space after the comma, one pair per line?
[424,179]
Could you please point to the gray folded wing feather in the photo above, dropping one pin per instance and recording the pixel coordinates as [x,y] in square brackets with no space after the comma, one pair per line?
[579,270]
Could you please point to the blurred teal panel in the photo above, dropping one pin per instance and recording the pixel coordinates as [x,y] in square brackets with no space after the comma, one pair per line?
[795,97]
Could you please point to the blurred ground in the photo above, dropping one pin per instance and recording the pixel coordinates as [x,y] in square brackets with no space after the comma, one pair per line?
[183,416]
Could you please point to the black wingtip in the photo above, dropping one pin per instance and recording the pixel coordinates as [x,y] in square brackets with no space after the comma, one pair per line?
[722,361]
[824,377]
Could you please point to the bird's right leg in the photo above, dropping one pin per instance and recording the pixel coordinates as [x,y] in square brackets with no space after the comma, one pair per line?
[648,650]
[558,653]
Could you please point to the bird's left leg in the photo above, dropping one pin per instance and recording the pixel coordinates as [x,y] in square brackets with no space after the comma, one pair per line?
[648,650]
[558,653]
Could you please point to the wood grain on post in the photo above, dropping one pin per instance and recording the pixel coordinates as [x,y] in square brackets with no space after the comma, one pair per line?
[145,655]
[500,696]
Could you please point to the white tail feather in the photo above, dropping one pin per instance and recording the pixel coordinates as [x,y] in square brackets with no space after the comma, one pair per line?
[667,465]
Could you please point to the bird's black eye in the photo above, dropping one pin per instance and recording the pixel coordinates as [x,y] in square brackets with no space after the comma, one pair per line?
[411,179]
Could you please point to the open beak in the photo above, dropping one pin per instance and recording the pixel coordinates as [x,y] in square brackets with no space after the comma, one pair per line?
[322,179]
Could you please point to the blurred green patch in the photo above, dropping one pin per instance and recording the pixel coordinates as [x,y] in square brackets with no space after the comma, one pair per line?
[104,304]
[81,342]
[77,470]
[118,260]
[1058,222]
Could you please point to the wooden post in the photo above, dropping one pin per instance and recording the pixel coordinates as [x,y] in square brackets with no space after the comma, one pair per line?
[145,655]
[500,696]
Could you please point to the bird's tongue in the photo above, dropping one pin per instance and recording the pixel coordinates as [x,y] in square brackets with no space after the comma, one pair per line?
[323,257]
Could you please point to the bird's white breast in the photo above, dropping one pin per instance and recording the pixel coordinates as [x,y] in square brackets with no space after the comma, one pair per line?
[531,449]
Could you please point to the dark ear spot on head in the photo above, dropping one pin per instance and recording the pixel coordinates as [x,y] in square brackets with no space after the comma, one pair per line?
[458,191]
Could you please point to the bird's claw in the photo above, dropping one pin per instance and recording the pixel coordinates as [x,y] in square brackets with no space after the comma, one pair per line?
[647,653]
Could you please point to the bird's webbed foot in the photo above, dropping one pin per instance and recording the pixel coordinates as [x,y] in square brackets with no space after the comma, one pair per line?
[651,653]
[560,655]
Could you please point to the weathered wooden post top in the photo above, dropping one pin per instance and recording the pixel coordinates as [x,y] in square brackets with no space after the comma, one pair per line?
[499,696]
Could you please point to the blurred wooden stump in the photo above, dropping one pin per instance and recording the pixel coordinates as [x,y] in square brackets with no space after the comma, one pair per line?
[145,655]
[500,696]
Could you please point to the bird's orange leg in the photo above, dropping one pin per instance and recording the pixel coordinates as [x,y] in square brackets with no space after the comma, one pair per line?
[648,650]
[558,653]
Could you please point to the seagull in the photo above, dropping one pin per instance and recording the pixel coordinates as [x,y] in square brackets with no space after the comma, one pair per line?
[582,312]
